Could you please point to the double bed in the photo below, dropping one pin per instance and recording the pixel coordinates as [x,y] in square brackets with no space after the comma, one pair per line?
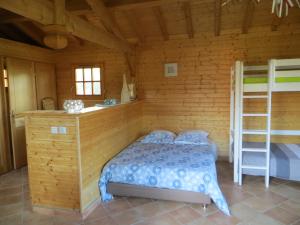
[169,171]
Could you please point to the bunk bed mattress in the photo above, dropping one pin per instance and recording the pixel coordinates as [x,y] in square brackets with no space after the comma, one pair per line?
[284,160]
[170,166]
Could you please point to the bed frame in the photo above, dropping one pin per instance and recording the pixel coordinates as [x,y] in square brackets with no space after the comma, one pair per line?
[130,190]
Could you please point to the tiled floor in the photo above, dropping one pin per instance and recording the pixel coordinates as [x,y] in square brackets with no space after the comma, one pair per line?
[250,204]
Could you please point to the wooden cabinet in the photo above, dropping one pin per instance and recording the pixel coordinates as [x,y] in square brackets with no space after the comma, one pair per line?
[45,82]
[29,83]
[22,97]
[5,156]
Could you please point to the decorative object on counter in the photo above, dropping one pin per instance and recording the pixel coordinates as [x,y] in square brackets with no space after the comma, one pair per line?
[110,101]
[73,106]
[125,94]
[170,69]
[48,103]
[132,89]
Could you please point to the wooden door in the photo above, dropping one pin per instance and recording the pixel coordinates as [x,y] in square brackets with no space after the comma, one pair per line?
[45,82]
[5,156]
[22,97]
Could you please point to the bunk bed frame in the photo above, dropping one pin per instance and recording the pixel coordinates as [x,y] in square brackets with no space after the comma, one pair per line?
[258,82]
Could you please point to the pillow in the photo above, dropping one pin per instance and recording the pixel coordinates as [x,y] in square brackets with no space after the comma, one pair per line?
[159,137]
[194,137]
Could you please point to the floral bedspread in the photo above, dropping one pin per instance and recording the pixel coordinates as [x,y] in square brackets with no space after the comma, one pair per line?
[181,167]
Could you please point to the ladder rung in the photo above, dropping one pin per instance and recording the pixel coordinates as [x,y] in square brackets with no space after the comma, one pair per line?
[254,167]
[254,149]
[255,114]
[255,96]
[255,132]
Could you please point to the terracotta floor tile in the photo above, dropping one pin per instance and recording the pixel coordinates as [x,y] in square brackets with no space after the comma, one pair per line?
[264,201]
[283,215]
[103,221]
[291,206]
[243,212]
[160,220]
[138,201]
[10,209]
[235,195]
[185,214]
[211,208]
[261,219]
[11,199]
[10,191]
[96,214]
[116,206]
[201,221]
[297,223]
[33,218]
[15,219]
[248,203]
[295,185]
[287,191]
[128,217]
[220,219]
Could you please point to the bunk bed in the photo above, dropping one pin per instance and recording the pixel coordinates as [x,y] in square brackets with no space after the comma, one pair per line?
[262,158]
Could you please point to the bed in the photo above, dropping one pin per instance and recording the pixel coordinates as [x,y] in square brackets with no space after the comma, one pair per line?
[177,172]
[284,160]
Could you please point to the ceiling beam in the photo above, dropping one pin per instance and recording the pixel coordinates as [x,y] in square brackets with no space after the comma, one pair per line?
[12,19]
[138,4]
[188,19]
[43,12]
[100,10]
[133,21]
[248,16]
[218,12]
[30,32]
[59,12]
[161,22]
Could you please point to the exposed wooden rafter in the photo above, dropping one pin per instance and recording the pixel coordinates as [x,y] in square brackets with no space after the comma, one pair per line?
[43,12]
[138,4]
[31,32]
[248,16]
[99,8]
[188,19]
[218,14]
[132,19]
[161,22]
[14,19]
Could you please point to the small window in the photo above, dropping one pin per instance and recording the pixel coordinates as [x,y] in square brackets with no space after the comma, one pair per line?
[5,78]
[88,81]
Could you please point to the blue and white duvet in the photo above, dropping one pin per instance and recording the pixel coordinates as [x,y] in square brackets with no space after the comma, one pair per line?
[181,167]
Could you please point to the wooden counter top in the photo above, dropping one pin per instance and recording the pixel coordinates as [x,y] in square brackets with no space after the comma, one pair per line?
[84,112]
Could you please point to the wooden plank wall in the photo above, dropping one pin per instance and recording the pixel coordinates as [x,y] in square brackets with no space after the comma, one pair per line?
[114,67]
[102,136]
[52,162]
[198,98]
[285,116]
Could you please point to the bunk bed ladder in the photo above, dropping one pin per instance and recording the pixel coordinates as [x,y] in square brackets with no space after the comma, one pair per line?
[266,132]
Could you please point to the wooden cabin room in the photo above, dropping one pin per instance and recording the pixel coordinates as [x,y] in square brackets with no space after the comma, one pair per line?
[135,112]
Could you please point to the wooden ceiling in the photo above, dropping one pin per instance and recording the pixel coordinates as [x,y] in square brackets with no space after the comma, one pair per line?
[139,20]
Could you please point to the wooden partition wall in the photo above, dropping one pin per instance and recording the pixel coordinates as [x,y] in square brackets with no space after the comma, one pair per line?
[64,169]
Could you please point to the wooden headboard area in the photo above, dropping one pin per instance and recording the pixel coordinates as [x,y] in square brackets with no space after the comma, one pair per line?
[66,152]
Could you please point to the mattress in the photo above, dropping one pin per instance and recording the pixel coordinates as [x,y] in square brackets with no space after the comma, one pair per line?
[171,166]
[284,160]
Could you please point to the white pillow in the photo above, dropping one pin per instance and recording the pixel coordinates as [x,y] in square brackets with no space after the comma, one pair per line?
[159,137]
